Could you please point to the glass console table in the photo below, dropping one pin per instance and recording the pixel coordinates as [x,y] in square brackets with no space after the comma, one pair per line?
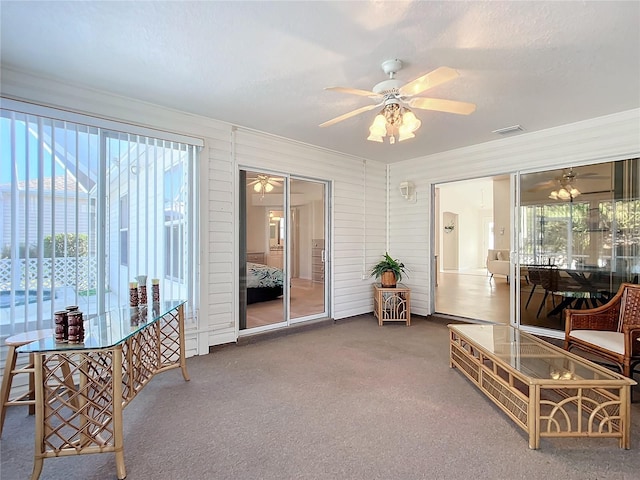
[81,389]
[545,390]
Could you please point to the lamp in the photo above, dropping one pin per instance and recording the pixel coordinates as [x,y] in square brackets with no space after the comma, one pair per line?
[407,191]
[394,121]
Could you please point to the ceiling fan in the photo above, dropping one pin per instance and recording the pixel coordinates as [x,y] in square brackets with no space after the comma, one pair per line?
[264,183]
[566,184]
[395,120]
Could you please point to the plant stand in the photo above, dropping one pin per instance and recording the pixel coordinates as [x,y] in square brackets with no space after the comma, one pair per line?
[392,304]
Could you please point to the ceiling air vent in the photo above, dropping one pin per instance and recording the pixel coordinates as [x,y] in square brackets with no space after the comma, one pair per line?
[507,130]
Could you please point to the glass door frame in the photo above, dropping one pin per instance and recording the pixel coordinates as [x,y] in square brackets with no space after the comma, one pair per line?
[515,267]
[287,259]
[242,250]
[327,271]
[514,264]
[516,236]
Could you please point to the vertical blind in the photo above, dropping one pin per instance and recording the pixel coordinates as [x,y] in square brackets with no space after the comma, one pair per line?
[85,211]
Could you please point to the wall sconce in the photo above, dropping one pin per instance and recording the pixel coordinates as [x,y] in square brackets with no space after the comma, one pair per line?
[407,190]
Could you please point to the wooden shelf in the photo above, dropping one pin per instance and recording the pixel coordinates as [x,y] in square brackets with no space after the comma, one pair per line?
[317,262]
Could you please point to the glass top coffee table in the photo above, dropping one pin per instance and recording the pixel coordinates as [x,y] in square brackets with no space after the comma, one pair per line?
[545,390]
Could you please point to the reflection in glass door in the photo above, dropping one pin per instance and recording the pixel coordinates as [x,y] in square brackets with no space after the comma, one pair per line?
[263,247]
[579,238]
[308,251]
[279,215]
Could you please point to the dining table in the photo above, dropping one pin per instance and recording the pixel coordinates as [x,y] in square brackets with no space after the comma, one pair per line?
[583,287]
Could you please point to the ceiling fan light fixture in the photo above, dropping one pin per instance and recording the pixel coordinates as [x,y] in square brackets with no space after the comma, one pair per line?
[264,184]
[568,192]
[406,131]
[409,121]
[403,135]
[392,112]
[379,126]
[393,95]
[393,121]
[563,194]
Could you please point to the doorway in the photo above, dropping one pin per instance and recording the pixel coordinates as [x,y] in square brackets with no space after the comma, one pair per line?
[283,250]
[465,218]
[572,236]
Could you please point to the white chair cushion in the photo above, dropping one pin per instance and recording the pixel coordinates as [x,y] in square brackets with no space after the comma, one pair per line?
[612,341]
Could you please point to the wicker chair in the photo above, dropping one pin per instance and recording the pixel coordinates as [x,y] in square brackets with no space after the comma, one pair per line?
[610,331]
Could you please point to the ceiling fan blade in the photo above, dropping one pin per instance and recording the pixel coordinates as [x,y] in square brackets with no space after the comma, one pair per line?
[348,115]
[353,91]
[430,80]
[543,186]
[593,176]
[440,105]
[253,183]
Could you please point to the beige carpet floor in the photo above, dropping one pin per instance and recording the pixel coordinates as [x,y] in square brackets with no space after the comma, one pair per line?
[346,400]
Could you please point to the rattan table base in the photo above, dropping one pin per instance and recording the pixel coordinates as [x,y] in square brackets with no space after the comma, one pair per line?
[80,394]
[545,407]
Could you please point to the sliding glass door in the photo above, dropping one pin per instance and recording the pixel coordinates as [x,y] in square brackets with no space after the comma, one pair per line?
[85,212]
[579,238]
[283,232]
[308,249]
[263,250]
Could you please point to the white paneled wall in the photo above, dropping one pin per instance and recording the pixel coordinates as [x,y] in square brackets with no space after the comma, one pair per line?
[357,205]
[357,208]
[359,213]
[217,203]
[612,137]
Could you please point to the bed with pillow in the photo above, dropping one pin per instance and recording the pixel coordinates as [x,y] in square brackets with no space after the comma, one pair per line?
[264,283]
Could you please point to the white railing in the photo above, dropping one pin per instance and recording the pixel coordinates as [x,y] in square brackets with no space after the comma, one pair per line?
[80,273]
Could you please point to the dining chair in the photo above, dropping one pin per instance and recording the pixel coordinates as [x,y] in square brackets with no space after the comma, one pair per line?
[549,281]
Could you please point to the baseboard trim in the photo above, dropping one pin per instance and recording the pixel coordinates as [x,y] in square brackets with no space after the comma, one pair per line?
[284,331]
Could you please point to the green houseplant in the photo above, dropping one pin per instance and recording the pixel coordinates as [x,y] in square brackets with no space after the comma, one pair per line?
[388,270]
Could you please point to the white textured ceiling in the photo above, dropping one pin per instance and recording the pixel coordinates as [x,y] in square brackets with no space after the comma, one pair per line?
[263,65]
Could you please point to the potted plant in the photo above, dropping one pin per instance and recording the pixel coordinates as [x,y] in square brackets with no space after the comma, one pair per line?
[389,271]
